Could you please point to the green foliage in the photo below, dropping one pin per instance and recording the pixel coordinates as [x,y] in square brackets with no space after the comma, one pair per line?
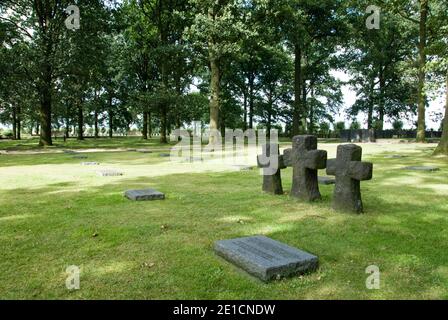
[397,125]
[338,126]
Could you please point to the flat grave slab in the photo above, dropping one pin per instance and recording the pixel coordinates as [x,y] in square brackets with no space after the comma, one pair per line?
[79,157]
[69,152]
[144,195]
[242,167]
[109,173]
[266,258]
[326,180]
[422,168]
[192,159]
[395,156]
[164,155]
[90,163]
[143,151]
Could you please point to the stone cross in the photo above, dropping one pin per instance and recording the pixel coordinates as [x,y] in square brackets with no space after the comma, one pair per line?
[305,160]
[271,163]
[349,171]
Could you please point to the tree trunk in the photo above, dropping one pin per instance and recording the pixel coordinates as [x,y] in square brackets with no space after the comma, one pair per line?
[442,148]
[269,119]
[80,121]
[297,89]
[251,78]
[215,78]
[45,117]
[14,123]
[163,124]
[371,103]
[19,123]
[149,125]
[421,72]
[245,110]
[111,119]
[96,125]
[304,110]
[214,99]
[382,100]
[311,114]
[145,126]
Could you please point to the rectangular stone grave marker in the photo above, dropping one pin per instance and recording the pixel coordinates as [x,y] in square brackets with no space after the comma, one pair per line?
[144,195]
[265,258]
[90,163]
[143,151]
[164,155]
[109,173]
[69,152]
[79,157]
[421,168]
[326,180]
[242,167]
[395,156]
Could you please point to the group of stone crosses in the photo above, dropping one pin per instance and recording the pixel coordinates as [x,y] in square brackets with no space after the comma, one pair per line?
[268,259]
[306,160]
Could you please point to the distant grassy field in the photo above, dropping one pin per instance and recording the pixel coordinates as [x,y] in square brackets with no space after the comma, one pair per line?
[55,213]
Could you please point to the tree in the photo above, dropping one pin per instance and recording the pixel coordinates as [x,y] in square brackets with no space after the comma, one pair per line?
[216,33]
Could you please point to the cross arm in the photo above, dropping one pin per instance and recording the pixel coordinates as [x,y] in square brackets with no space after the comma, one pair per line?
[287,162]
[266,162]
[316,159]
[360,170]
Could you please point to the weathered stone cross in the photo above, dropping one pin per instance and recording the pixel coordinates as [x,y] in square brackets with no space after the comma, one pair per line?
[349,171]
[271,163]
[305,160]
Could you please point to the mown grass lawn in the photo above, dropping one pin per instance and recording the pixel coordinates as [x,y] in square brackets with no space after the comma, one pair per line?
[55,213]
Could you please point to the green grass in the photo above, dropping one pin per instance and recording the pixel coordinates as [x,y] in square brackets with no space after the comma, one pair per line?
[50,208]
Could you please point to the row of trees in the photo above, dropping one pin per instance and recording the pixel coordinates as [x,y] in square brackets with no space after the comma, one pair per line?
[160,64]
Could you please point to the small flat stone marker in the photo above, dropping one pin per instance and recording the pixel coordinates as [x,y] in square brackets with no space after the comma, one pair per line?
[422,168]
[164,155]
[90,163]
[395,156]
[265,258]
[143,151]
[242,167]
[109,173]
[69,152]
[79,157]
[144,195]
[326,180]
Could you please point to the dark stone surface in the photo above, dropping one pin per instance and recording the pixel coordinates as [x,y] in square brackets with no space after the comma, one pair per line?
[164,155]
[272,180]
[422,168]
[243,167]
[69,152]
[90,163]
[192,159]
[109,173]
[144,195]
[349,171]
[326,180]
[79,157]
[305,161]
[265,258]
[395,156]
